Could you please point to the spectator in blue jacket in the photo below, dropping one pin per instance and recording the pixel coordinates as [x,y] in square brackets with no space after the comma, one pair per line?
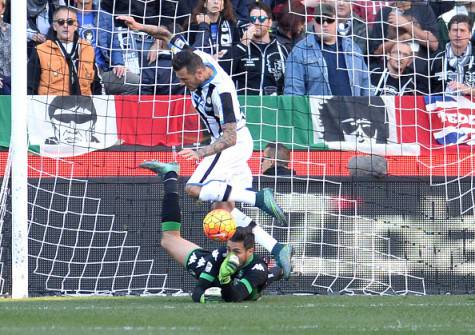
[323,55]
[98,27]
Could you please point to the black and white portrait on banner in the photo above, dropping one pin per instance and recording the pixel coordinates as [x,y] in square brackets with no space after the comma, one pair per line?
[351,119]
[65,126]
[73,120]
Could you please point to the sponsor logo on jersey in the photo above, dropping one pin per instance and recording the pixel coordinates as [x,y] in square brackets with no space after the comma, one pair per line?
[215,254]
[192,259]
[208,267]
[258,267]
[201,262]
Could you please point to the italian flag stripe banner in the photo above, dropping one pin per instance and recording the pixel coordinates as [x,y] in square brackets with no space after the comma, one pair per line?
[412,126]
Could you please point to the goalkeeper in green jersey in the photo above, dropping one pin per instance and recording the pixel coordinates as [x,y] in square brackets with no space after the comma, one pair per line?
[236,269]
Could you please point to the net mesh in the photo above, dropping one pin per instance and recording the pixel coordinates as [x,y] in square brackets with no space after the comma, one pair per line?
[92,212]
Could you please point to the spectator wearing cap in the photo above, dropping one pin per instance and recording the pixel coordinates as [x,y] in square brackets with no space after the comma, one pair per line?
[64,65]
[323,55]
[275,160]
[259,63]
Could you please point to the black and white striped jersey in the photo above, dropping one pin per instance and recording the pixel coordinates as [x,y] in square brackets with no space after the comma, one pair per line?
[216,99]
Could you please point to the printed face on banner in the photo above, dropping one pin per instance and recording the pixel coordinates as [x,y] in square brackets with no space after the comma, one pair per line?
[73,121]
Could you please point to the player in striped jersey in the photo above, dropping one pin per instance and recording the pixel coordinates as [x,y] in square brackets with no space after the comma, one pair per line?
[223,175]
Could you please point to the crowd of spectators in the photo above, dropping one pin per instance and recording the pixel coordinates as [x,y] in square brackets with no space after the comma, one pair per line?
[270,47]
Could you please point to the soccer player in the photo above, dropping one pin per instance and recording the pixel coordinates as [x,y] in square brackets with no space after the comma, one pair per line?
[241,274]
[223,176]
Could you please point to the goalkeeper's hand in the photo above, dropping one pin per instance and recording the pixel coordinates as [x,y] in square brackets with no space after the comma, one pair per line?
[212,294]
[228,268]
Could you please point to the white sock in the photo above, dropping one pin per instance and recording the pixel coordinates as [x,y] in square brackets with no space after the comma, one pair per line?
[242,220]
[262,237]
[243,195]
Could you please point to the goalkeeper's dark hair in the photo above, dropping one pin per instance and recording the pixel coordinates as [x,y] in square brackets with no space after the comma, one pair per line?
[187,59]
[244,235]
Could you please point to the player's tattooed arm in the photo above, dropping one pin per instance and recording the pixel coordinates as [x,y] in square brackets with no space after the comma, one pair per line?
[228,139]
[158,32]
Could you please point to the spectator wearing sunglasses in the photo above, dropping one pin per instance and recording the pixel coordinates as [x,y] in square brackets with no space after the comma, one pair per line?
[64,65]
[259,63]
[326,64]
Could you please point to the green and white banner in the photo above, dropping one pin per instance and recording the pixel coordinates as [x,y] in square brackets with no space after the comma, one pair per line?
[74,125]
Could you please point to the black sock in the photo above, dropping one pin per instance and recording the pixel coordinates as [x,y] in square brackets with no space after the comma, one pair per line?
[170,182]
[171,208]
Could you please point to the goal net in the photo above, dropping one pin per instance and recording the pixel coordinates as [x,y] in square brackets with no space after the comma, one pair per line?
[379,201]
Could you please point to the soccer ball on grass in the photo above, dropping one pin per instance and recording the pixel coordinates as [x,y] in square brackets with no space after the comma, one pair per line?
[219,225]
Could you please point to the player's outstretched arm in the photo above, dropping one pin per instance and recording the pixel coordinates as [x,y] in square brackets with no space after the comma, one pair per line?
[160,33]
[228,139]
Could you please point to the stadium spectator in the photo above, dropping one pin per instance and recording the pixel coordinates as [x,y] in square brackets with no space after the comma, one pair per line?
[349,24]
[157,73]
[235,268]
[275,160]
[5,53]
[98,27]
[290,25]
[453,70]
[40,18]
[401,16]
[214,30]
[324,55]
[153,12]
[397,77]
[259,63]
[461,7]
[65,64]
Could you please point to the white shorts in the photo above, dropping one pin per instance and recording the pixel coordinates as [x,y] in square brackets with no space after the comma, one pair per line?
[229,166]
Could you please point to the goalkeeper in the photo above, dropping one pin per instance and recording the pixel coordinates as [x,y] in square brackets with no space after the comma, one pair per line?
[241,274]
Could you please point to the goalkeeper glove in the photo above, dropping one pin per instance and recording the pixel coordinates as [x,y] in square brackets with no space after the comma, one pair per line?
[228,268]
[212,294]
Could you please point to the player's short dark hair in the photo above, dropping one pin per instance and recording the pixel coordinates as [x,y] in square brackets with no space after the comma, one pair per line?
[461,18]
[279,152]
[187,59]
[263,7]
[61,103]
[67,8]
[244,235]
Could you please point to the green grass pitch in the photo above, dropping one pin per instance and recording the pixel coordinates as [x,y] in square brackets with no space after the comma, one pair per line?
[271,315]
